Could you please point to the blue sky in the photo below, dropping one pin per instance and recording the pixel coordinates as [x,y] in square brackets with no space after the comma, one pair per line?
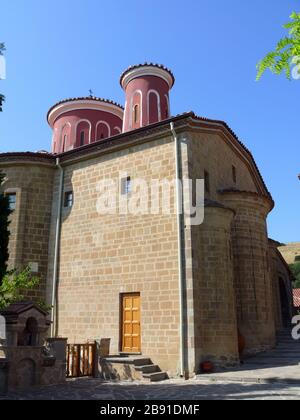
[58,49]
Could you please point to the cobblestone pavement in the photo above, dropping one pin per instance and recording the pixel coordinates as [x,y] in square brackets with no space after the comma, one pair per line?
[94,389]
[269,376]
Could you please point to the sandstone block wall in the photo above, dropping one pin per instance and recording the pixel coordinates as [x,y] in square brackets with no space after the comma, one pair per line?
[253,282]
[30,222]
[105,256]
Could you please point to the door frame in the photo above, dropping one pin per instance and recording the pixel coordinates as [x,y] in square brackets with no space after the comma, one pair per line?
[121,298]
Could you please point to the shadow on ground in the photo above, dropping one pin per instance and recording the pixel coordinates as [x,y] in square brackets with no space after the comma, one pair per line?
[92,389]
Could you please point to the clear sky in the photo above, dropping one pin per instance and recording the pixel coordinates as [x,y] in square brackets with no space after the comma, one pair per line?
[58,49]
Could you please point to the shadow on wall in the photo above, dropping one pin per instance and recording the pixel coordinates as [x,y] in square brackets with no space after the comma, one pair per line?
[67,205]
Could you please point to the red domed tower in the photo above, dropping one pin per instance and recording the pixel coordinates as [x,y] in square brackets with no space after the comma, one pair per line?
[80,121]
[147,88]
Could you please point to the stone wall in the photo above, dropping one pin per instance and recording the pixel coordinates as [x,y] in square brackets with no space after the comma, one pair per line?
[30,222]
[282,288]
[227,270]
[27,367]
[214,263]
[253,283]
[215,309]
[105,256]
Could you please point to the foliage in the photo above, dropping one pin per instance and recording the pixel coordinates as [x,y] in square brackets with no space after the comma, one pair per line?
[295,268]
[4,231]
[14,284]
[287,52]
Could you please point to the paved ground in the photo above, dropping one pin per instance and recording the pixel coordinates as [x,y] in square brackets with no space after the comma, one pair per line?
[279,365]
[91,389]
[270,376]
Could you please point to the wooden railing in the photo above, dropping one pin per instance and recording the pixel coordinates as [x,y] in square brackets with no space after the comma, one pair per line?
[81,360]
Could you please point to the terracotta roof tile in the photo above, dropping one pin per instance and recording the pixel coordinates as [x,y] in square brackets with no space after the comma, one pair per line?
[296,295]
[159,66]
[84,98]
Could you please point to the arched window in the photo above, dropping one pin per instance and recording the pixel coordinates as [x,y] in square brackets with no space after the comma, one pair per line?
[82,138]
[83,133]
[64,138]
[154,112]
[102,130]
[136,107]
[64,143]
[116,131]
[136,114]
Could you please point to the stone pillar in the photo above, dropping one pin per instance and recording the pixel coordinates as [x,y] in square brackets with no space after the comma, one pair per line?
[252,269]
[216,323]
[58,347]
[102,351]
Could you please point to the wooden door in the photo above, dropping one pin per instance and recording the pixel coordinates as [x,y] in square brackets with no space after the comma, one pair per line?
[131,323]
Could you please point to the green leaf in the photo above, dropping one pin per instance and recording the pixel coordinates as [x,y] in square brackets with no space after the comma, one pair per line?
[281,59]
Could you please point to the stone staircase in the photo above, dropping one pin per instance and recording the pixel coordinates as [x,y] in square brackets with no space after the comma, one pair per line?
[149,371]
[132,368]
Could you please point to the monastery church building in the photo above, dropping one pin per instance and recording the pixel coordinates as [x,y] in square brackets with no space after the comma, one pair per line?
[154,284]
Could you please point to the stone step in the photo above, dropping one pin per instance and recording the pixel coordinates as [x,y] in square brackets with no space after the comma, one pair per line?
[142,361]
[155,377]
[148,369]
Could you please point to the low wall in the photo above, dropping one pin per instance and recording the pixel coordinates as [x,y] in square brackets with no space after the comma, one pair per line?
[26,367]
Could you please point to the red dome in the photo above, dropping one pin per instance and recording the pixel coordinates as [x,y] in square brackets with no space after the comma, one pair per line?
[80,121]
[147,88]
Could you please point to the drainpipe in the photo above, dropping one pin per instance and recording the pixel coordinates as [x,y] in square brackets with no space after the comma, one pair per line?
[56,250]
[180,251]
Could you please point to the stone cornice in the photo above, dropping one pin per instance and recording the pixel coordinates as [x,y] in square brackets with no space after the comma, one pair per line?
[250,194]
[19,158]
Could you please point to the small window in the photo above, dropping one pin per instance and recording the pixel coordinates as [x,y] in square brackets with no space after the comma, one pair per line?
[234,174]
[206,182]
[126,186]
[68,199]
[82,138]
[12,201]
[136,114]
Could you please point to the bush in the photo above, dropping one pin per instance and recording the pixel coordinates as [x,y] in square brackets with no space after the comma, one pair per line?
[14,283]
[295,268]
